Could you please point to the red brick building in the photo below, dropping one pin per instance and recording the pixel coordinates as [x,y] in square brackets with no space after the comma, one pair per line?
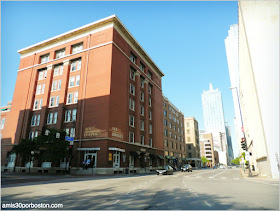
[98,84]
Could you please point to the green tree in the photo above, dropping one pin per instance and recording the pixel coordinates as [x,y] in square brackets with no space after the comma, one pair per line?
[53,147]
[204,160]
[27,149]
[236,161]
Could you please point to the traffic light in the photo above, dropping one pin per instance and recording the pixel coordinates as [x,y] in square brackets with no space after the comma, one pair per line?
[243,144]
[70,150]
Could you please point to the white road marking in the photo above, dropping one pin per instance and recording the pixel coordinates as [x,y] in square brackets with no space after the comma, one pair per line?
[223,177]
[187,176]
[211,177]
[116,201]
[207,204]
[196,195]
[236,178]
[219,173]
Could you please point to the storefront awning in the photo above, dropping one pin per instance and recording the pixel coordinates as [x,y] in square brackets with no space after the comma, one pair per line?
[116,149]
[168,157]
[87,149]
[161,157]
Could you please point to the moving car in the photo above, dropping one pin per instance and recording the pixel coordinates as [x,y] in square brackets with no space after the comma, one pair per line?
[165,170]
[222,167]
[187,167]
[229,167]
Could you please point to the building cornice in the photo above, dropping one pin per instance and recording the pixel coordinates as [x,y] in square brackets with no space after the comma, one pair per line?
[111,21]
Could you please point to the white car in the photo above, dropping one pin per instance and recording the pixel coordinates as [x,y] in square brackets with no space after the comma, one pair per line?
[222,167]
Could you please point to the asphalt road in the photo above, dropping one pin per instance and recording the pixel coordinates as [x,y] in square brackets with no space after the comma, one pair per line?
[209,189]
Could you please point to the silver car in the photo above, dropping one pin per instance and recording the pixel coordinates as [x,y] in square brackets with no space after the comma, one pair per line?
[187,167]
[165,170]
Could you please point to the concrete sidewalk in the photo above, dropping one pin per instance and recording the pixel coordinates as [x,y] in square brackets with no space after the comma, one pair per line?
[255,176]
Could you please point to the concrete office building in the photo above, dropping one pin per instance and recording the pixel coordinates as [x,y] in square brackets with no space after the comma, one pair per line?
[214,122]
[207,148]
[231,44]
[259,82]
[229,143]
[192,141]
[173,135]
[98,84]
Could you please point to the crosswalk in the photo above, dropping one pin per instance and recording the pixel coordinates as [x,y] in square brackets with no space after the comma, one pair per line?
[211,177]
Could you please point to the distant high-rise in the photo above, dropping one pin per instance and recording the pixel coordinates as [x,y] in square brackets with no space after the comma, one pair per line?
[231,43]
[214,121]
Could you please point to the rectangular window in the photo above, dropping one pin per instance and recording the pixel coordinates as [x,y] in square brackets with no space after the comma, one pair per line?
[131,137]
[131,104]
[170,134]
[72,132]
[33,120]
[165,122]
[77,48]
[70,98]
[38,120]
[171,144]
[131,120]
[170,125]
[52,101]
[76,65]
[132,89]
[2,123]
[142,139]
[150,115]
[165,132]
[31,135]
[72,81]
[75,97]
[164,112]
[67,115]
[142,110]
[42,74]
[150,75]
[150,142]
[44,58]
[50,118]
[67,131]
[36,134]
[41,102]
[57,101]
[150,102]
[166,143]
[74,114]
[38,89]
[142,125]
[59,53]
[77,80]
[142,82]
[132,74]
[132,58]
[59,85]
[55,118]
[150,129]
[142,96]
[142,67]
[54,85]
[150,89]
[36,105]
[58,70]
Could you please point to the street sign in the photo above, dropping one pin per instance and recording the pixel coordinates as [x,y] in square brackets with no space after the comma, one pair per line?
[68,138]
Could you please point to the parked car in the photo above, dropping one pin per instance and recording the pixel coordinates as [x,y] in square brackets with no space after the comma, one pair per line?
[229,167]
[214,167]
[187,167]
[222,167]
[165,170]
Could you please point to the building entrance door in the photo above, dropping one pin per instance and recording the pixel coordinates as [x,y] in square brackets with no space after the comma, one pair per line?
[116,159]
[92,157]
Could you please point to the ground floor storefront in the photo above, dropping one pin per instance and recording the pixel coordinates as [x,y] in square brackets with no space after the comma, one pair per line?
[103,156]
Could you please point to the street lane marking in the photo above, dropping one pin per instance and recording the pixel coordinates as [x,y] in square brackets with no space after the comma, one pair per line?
[211,177]
[223,177]
[187,176]
[196,195]
[236,178]
[116,201]
[219,173]
[207,204]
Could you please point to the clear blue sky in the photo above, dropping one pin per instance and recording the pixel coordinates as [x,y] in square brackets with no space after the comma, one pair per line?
[185,39]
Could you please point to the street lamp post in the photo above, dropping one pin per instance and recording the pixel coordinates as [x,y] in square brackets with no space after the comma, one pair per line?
[250,173]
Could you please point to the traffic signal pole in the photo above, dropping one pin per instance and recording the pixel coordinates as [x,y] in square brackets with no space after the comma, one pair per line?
[246,147]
